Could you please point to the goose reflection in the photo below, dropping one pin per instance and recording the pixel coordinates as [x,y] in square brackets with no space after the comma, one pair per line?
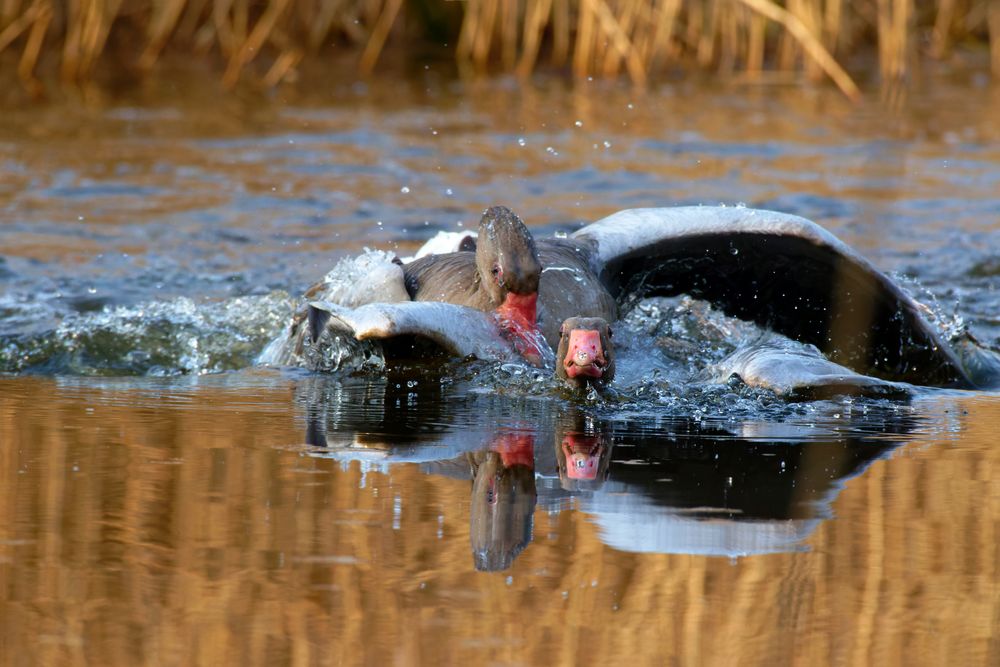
[667,483]
[502,508]
[583,454]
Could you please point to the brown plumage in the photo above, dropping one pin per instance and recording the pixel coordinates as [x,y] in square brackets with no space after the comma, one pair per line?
[569,287]
[504,261]
[507,261]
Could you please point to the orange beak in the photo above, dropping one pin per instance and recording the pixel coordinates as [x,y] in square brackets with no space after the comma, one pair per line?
[515,449]
[518,315]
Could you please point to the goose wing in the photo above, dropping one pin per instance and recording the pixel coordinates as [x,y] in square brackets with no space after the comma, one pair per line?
[780,271]
[459,330]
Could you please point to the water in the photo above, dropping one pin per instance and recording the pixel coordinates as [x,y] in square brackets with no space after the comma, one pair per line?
[165,501]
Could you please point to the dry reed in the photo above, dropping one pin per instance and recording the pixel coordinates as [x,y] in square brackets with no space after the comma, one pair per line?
[641,38]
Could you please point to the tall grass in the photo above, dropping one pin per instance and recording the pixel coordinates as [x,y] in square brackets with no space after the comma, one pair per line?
[637,38]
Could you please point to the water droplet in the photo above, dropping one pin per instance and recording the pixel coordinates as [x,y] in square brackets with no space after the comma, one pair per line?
[579,123]
[734,251]
[521,141]
[449,192]
[607,144]
[404,189]
[550,150]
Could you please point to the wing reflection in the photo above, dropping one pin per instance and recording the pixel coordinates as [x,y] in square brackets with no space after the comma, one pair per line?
[652,483]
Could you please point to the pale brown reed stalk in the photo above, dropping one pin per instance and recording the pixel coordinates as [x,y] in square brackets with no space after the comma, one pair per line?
[252,44]
[941,35]
[809,42]
[510,16]
[894,37]
[166,14]
[16,24]
[664,26]
[808,11]
[382,26]
[88,29]
[755,46]
[535,22]
[619,40]
[561,32]
[29,57]
[484,38]
[585,37]
[832,15]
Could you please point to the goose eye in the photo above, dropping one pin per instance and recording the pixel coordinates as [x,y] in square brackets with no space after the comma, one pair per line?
[610,333]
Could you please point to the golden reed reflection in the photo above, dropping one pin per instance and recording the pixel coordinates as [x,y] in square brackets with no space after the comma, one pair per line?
[153,528]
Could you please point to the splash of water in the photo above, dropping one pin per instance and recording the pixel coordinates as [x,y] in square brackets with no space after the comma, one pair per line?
[945,318]
[370,277]
[160,338]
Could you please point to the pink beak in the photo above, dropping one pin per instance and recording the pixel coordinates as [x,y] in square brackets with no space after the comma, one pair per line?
[585,355]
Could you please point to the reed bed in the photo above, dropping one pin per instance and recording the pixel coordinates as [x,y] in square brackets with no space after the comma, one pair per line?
[640,39]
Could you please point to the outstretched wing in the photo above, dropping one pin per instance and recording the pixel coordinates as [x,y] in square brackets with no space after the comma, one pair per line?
[801,373]
[458,330]
[780,271]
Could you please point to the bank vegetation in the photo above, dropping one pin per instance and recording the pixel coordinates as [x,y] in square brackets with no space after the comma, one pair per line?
[266,40]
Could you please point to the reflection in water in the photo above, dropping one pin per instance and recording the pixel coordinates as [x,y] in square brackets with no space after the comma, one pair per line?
[503,500]
[583,453]
[707,491]
[674,485]
[184,522]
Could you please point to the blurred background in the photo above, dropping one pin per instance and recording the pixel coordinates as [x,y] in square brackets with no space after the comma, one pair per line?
[118,42]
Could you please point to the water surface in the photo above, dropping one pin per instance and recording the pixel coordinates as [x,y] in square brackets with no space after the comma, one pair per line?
[165,502]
